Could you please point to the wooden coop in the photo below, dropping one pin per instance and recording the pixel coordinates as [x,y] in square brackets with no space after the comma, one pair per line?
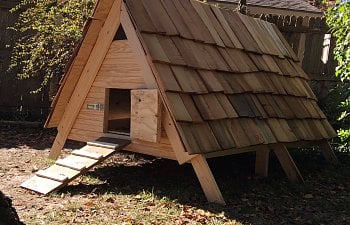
[182,80]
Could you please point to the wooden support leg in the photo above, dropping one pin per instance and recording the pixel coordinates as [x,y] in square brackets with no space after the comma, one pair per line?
[287,163]
[262,161]
[207,180]
[57,146]
[327,151]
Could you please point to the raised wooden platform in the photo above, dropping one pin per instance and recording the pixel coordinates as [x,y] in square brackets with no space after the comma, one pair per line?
[67,169]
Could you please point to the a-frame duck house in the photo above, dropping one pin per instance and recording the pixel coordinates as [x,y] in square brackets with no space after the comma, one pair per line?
[188,81]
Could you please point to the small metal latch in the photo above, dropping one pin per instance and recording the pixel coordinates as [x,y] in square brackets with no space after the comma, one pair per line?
[95,106]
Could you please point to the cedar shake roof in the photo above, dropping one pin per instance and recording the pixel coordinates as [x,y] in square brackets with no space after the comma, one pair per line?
[231,81]
[296,5]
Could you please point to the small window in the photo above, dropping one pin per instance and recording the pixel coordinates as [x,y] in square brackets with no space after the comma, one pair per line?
[120,35]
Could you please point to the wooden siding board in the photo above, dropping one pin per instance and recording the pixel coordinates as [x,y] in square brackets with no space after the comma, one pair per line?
[239,103]
[226,26]
[209,107]
[204,135]
[142,19]
[253,132]
[222,134]
[177,18]
[241,32]
[156,50]
[168,77]
[159,17]
[218,27]
[237,132]
[191,108]
[171,51]
[189,80]
[204,33]
[178,107]
[211,81]
[199,7]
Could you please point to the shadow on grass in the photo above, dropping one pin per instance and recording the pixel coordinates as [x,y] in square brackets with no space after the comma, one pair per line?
[33,137]
[324,198]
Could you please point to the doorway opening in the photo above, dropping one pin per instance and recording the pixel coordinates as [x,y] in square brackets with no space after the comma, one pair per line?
[118,112]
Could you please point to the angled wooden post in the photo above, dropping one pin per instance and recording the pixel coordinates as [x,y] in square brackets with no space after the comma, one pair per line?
[287,163]
[207,180]
[90,70]
[327,151]
[262,161]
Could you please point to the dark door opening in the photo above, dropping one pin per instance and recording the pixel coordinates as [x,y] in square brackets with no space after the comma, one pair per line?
[118,111]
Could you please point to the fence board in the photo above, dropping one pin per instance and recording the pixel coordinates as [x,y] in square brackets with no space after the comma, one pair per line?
[16,102]
[306,36]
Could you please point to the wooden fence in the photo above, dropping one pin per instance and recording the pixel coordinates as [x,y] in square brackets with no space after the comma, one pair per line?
[309,38]
[306,36]
[16,102]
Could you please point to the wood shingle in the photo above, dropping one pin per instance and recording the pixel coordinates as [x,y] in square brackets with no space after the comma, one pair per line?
[225,66]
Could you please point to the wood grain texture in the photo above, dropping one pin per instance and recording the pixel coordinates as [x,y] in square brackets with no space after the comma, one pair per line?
[146,116]
[207,180]
[287,163]
[262,161]
[90,71]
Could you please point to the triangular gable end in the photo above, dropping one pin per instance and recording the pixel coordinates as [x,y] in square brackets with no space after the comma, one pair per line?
[75,66]
[67,129]
[73,103]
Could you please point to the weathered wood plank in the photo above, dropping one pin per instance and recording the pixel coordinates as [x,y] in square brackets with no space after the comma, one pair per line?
[262,161]
[287,163]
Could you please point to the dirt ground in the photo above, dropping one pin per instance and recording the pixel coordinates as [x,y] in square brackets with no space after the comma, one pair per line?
[135,189]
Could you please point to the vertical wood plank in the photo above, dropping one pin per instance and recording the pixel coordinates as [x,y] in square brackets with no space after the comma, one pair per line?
[262,161]
[145,115]
[89,73]
[327,151]
[287,163]
[207,180]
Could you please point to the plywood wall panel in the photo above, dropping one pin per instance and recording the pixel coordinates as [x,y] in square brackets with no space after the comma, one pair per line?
[120,69]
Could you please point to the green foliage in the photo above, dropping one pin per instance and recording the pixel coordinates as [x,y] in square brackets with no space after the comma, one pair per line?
[338,19]
[47,33]
[337,109]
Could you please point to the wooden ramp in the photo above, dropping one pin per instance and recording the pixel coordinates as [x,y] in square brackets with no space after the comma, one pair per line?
[67,169]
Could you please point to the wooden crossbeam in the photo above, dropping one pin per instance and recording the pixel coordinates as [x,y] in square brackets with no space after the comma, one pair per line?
[262,161]
[287,163]
[90,70]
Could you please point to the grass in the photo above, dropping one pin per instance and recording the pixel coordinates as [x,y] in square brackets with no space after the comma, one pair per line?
[133,189]
[142,208]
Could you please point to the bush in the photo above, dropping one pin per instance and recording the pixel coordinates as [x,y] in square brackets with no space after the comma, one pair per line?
[338,19]
[47,33]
